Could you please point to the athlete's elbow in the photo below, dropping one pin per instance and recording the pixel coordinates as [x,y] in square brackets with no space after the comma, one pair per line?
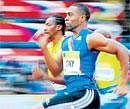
[123,54]
[56,71]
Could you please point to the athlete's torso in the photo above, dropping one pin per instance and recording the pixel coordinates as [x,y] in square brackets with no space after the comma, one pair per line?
[79,62]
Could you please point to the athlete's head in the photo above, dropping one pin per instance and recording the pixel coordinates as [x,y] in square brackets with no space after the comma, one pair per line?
[77,14]
[54,24]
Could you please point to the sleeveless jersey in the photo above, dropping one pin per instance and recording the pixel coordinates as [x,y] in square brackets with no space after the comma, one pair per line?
[53,49]
[78,62]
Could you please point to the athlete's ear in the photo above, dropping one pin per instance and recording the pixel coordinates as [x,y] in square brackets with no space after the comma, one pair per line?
[58,27]
[83,18]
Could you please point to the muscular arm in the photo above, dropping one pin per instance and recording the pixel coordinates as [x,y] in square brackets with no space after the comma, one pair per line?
[99,42]
[54,66]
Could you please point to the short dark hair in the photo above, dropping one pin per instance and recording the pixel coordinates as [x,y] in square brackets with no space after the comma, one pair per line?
[84,10]
[59,20]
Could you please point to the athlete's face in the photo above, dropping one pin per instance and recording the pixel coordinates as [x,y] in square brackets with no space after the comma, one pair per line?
[50,26]
[73,18]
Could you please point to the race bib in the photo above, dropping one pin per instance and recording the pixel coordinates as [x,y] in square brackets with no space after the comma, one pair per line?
[71,63]
[104,74]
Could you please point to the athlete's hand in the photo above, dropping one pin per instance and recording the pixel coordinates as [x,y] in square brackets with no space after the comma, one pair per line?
[43,40]
[37,74]
[121,90]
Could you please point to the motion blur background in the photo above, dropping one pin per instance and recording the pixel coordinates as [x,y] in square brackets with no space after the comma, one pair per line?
[19,21]
[19,52]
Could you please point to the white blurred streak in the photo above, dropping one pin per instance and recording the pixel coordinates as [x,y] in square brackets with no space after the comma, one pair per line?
[113,28]
[22,58]
[18,8]
[29,25]
[6,51]
[10,32]
[51,7]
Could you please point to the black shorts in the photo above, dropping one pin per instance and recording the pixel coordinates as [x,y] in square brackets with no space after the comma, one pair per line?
[85,99]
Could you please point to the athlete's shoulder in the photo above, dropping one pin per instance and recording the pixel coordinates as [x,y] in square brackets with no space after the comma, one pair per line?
[66,38]
[85,32]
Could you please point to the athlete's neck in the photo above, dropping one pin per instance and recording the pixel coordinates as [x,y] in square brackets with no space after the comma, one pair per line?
[57,37]
[79,28]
